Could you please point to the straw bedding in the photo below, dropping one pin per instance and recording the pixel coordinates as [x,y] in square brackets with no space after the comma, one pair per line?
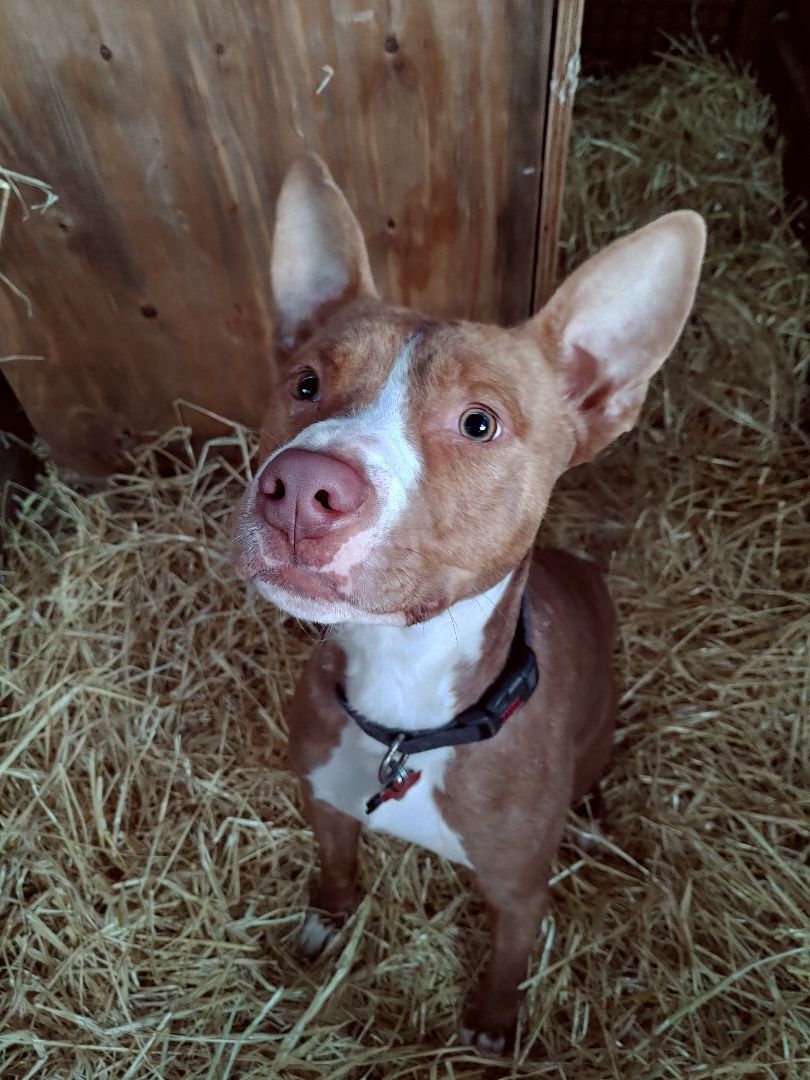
[154,860]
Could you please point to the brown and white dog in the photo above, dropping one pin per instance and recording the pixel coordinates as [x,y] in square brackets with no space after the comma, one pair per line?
[414,462]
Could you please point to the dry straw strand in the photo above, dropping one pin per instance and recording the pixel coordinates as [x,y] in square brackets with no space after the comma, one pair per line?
[154,857]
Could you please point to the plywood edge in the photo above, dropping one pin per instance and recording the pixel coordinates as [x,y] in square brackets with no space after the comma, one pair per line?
[565,67]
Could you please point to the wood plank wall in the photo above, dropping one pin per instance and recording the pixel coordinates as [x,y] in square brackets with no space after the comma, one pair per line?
[165,127]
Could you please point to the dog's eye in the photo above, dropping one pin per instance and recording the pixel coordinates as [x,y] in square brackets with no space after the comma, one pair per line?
[308,386]
[478,424]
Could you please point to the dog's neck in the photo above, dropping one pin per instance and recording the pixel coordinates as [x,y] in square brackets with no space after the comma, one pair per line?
[421,676]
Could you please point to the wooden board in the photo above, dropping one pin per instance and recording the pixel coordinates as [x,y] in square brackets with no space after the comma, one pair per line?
[565,66]
[165,128]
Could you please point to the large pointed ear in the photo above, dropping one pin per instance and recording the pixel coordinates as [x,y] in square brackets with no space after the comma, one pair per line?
[319,255]
[614,321]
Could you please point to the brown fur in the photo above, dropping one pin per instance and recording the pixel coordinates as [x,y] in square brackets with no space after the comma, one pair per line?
[429,562]
[562,385]
[550,754]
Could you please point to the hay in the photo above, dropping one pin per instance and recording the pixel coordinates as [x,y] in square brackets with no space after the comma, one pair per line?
[10,183]
[154,859]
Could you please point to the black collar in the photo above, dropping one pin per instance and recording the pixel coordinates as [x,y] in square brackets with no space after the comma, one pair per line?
[513,688]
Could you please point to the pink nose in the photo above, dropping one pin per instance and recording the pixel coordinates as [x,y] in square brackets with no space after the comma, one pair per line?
[306,494]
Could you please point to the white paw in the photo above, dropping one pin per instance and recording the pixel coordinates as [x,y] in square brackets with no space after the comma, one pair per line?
[492,1045]
[315,934]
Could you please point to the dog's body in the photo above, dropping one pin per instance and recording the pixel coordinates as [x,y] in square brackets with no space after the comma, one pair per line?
[496,807]
[402,507]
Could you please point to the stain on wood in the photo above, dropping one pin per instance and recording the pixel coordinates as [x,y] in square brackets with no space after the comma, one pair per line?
[165,129]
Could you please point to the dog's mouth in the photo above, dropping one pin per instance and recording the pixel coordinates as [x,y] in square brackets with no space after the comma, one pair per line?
[325,594]
[317,597]
[303,581]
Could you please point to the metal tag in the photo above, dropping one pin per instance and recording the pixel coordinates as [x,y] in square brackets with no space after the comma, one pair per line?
[394,775]
[393,765]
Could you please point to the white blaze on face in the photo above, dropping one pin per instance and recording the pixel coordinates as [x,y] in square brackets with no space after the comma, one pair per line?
[377,437]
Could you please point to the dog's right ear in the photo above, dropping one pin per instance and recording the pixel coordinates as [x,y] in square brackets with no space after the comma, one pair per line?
[319,255]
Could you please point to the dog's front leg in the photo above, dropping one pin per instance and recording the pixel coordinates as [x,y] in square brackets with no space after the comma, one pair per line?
[489,1019]
[334,896]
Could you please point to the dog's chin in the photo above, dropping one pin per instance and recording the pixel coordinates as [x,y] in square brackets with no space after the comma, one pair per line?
[323,609]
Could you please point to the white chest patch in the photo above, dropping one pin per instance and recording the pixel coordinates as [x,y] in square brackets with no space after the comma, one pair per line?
[402,677]
[349,778]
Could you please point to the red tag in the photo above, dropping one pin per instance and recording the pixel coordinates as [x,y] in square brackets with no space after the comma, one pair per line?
[398,789]
[395,789]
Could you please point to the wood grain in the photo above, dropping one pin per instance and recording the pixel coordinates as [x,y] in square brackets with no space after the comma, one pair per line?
[564,77]
[165,128]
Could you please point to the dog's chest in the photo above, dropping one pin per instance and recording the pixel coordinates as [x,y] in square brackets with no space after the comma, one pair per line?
[349,778]
[404,678]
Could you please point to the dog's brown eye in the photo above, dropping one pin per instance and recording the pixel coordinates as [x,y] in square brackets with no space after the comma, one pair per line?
[478,424]
[308,386]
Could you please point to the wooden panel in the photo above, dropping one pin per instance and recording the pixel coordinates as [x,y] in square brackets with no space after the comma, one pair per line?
[563,87]
[165,127]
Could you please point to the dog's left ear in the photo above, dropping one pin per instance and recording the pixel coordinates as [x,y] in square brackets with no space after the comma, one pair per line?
[614,321]
[319,256]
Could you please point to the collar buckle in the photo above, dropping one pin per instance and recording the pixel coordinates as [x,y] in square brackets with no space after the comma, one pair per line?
[511,690]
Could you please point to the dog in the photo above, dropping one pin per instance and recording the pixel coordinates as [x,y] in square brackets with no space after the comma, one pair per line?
[464,697]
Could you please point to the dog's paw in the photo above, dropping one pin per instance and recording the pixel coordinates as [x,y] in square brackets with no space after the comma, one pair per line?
[489,1043]
[488,1024]
[315,934]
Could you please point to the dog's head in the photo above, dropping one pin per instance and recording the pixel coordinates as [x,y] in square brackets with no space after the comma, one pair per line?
[406,462]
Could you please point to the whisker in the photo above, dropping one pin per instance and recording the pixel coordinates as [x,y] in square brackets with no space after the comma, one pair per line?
[455,628]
